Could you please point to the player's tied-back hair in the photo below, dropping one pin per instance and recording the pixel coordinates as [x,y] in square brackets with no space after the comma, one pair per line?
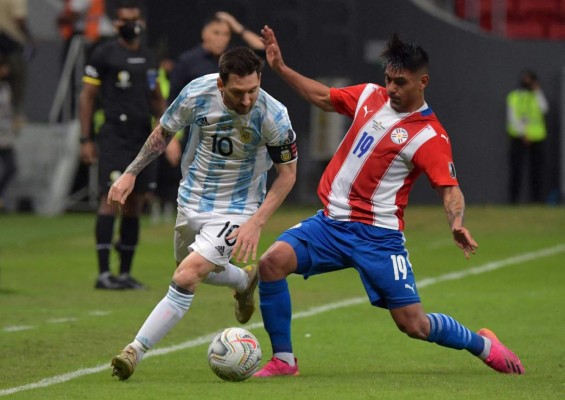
[240,61]
[400,55]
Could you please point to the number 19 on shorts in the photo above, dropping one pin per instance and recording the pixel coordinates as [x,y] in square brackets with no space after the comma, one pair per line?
[400,266]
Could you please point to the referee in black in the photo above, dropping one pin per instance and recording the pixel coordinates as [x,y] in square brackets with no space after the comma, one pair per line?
[124,72]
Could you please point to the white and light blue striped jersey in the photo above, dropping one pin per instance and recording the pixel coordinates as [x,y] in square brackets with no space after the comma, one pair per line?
[225,163]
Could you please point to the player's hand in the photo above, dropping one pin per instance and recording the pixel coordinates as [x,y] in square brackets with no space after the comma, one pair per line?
[121,188]
[88,153]
[272,49]
[247,241]
[464,241]
[233,23]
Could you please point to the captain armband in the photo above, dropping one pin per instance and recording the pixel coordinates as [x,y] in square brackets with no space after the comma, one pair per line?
[284,153]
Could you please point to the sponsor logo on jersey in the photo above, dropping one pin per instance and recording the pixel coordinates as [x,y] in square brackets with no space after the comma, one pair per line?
[221,249]
[399,135]
[452,172]
[366,110]
[201,121]
[378,125]
[123,80]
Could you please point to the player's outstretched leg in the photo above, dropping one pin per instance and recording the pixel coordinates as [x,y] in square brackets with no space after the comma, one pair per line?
[500,358]
[124,363]
[244,301]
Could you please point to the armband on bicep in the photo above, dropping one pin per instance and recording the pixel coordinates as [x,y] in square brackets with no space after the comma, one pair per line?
[284,153]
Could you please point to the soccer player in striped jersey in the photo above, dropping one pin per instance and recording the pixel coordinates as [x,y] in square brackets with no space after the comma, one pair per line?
[237,132]
[394,137]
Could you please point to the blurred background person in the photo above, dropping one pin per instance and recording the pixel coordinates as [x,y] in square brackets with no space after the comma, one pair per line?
[7,130]
[17,44]
[87,18]
[203,59]
[526,109]
[124,72]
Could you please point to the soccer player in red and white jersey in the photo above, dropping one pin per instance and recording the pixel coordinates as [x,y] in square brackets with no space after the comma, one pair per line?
[394,137]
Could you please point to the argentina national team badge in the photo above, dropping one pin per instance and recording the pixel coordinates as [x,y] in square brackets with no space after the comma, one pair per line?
[246,135]
[399,135]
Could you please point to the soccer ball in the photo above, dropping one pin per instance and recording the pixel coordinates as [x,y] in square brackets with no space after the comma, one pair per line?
[234,354]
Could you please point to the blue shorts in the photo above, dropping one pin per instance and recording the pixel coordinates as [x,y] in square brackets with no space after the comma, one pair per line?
[323,245]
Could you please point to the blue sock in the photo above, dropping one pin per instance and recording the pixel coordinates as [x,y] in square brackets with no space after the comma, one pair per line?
[447,332]
[276,311]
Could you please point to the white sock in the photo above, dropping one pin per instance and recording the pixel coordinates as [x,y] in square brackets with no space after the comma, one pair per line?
[286,357]
[233,277]
[486,351]
[163,318]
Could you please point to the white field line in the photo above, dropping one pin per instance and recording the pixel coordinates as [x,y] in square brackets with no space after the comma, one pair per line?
[492,266]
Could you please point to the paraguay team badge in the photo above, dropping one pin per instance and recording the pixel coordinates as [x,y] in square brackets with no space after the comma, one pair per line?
[399,135]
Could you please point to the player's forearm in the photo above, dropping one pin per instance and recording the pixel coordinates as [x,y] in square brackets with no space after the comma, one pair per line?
[454,205]
[281,187]
[312,91]
[154,146]
[252,39]
[85,115]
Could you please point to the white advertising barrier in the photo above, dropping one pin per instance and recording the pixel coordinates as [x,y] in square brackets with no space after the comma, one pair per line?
[47,158]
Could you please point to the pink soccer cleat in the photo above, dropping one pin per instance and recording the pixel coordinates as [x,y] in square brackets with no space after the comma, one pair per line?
[277,367]
[500,357]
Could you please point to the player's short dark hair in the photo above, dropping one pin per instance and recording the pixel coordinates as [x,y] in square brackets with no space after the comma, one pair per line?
[127,4]
[400,55]
[240,61]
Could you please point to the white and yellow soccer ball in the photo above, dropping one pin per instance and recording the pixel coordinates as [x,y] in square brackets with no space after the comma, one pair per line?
[234,354]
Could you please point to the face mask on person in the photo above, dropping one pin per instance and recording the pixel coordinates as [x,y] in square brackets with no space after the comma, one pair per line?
[130,30]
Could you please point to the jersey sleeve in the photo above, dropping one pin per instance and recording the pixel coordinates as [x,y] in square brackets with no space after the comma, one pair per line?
[345,99]
[434,158]
[180,113]
[95,68]
[281,138]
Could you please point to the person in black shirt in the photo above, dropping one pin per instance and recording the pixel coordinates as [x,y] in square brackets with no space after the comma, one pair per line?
[203,59]
[124,72]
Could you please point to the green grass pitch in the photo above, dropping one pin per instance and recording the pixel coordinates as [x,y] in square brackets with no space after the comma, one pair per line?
[58,334]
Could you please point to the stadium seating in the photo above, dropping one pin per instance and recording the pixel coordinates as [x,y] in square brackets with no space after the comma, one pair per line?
[525,19]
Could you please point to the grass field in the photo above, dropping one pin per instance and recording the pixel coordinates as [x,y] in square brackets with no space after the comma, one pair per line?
[58,334]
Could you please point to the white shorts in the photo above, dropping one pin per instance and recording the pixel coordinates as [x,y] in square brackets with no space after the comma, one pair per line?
[206,234]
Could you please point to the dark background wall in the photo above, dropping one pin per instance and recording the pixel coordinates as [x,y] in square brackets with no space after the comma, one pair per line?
[471,74]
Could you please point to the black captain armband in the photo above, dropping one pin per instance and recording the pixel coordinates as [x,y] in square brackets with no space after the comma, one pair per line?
[84,140]
[284,153]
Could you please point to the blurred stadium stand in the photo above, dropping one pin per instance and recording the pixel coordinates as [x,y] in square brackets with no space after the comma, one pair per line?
[520,19]
[477,49]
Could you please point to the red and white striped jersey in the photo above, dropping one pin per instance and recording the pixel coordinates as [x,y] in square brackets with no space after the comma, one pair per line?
[370,176]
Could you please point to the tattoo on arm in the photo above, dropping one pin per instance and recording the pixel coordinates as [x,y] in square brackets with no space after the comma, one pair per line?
[154,146]
[454,206]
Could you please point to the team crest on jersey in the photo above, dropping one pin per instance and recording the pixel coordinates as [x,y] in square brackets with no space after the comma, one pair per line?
[123,80]
[399,135]
[246,135]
